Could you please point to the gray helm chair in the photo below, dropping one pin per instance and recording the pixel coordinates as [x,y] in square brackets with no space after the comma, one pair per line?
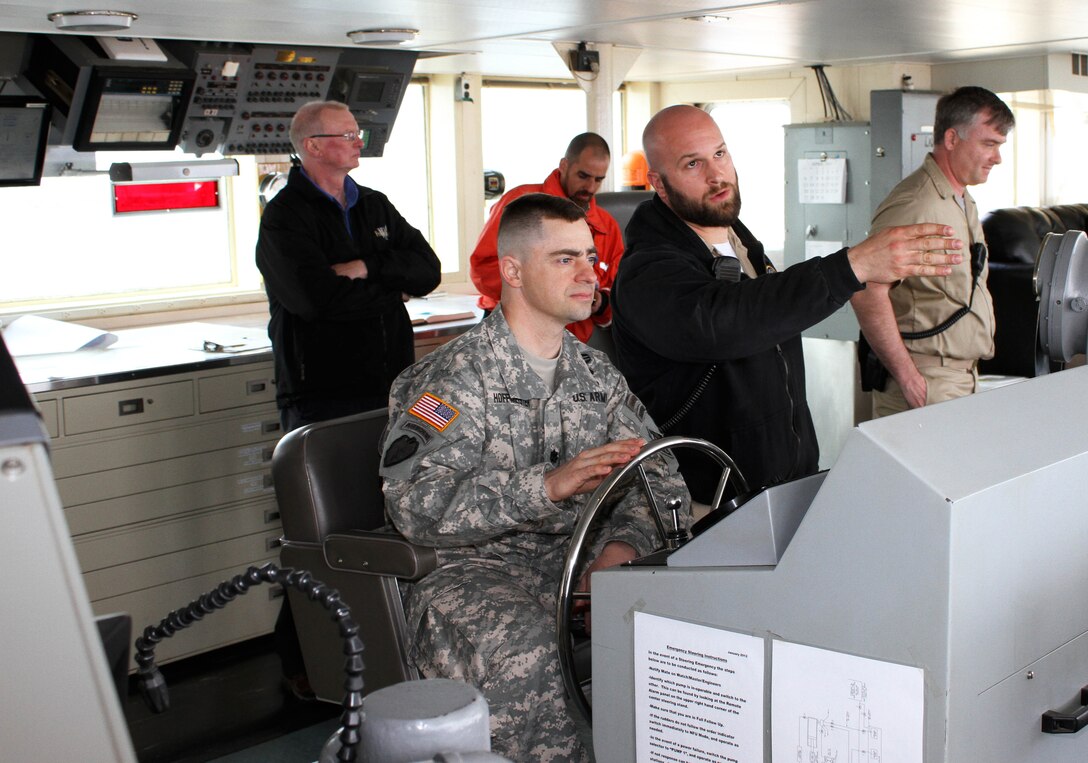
[331,504]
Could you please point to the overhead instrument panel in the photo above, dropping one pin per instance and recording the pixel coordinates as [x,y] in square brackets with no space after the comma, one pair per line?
[207,97]
[372,84]
[246,95]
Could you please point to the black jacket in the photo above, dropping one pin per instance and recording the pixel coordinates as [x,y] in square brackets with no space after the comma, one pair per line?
[333,336]
[673,322]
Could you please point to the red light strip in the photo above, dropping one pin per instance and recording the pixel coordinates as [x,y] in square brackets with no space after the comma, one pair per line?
[150,197]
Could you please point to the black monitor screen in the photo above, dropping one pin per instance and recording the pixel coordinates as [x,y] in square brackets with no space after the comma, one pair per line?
[24,129]
[367,90]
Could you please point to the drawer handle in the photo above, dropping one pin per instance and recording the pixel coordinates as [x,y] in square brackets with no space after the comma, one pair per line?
[253,387]
[266,481]
[275,592]
[269,426]
[271,515]
[130,407]
[271,543]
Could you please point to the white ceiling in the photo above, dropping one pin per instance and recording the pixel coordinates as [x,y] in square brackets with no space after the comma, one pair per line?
[514,37]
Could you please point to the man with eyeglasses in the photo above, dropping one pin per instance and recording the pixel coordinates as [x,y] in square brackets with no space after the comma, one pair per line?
[929,333]
[337,259]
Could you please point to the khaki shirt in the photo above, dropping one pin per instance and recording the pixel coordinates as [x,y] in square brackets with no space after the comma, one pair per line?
[922,302]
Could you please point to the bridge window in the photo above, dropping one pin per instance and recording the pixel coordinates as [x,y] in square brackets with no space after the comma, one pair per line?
[1044,158]
[66,247]
[66,250]
[526,128]
[524,148]
[753,131]
[402,172]
[1069,167]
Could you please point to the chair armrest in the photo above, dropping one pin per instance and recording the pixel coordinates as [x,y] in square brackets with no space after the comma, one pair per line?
[378,553]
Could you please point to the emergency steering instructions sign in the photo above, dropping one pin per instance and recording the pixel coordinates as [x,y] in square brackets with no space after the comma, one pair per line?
[698,693]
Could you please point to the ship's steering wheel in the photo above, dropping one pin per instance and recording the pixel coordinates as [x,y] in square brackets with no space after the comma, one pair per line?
[672,538]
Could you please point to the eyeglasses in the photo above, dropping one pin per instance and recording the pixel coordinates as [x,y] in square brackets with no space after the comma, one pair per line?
[350,137]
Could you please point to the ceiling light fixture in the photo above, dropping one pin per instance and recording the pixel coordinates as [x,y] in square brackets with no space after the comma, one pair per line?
[382,36]
[92,21]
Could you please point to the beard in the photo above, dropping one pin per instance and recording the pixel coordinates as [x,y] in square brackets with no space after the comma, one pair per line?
[702,211]
[582,200]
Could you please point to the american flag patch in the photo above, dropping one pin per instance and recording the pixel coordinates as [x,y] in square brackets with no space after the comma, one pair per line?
[438,413]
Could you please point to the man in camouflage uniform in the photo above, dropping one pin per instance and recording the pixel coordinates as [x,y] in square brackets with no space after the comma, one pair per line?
[495,443]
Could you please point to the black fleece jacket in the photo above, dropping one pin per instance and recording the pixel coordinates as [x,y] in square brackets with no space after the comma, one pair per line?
[673,322]
[334,336]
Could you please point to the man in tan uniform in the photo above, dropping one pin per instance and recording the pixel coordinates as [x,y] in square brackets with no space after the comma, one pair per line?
[929,333]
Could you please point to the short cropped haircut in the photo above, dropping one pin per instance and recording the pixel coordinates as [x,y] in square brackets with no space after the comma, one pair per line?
[523,219]
[957,110]
[587,140]
[307,121]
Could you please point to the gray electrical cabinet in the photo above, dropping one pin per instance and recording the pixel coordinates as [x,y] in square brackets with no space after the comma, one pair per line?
[877,155]
[902,127]
[949,539]
[827,201]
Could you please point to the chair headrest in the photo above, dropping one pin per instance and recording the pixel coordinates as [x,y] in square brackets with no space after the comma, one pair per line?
[622,204]
[326,477]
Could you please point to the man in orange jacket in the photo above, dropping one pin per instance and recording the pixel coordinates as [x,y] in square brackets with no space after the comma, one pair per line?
[580,174]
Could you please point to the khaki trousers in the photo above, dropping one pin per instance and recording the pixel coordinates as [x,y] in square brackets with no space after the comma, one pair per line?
[946,379]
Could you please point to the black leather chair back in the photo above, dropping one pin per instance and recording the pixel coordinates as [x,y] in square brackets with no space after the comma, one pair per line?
[1014,237]
[622,204]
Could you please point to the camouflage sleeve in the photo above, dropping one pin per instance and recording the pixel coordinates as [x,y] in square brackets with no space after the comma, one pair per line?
[441,487]
[631,520]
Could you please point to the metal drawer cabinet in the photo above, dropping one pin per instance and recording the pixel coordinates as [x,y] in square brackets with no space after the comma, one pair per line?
[127,407]
[234,390]
[167,489]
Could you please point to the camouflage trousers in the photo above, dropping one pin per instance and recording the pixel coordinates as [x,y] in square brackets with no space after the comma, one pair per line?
[493,626]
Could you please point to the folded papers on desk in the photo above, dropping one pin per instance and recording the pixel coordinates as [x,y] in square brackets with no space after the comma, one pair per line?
[440,308]
[422,318]
[35,335]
